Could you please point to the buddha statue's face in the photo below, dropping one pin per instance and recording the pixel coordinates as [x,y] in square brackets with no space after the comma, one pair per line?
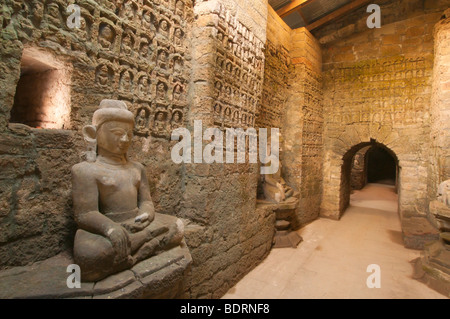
[115,137]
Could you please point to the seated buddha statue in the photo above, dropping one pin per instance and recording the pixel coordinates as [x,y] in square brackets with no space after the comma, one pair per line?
[274,186]
[113,208]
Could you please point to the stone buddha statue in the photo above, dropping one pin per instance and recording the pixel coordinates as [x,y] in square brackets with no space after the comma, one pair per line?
[284,201]
[274,186]
[117,224]
[440,209]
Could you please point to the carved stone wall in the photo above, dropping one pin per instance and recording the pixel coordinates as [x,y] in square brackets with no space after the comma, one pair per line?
[136,51]
[231,236]
[440,104]
[303,125]
[377,88]
[276,84]
[358,177]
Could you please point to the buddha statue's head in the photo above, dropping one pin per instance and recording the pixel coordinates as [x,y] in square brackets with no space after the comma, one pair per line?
[111,131]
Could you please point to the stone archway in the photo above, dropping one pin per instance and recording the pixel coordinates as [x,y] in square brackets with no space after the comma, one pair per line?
[412,187]
[340,148]
[347,159]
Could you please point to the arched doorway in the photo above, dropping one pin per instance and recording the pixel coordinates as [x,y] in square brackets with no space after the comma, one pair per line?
[370,162]
[411,180]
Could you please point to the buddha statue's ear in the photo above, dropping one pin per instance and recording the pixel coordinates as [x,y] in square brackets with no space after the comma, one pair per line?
[90,133]
[90,137]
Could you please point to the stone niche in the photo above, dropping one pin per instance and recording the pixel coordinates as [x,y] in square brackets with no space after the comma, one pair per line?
[42,98]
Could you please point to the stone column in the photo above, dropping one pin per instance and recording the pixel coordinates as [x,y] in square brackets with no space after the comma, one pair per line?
[303,124]
[440,103]
[231,236]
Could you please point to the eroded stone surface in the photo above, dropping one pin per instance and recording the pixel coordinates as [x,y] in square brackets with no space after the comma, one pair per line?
[48,279]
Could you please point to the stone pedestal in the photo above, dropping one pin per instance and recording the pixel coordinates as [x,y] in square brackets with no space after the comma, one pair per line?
[284,211]
[433,268]
[159,277]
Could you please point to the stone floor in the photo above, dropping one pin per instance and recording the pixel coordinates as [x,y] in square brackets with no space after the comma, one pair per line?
[332,260]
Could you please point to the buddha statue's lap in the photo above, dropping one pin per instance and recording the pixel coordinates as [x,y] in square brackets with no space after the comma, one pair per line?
[118,226]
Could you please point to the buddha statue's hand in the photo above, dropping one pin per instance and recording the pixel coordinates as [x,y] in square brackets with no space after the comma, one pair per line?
[135,226]
[120,241]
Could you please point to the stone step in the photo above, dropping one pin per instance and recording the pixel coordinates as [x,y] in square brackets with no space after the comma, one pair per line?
[282,225]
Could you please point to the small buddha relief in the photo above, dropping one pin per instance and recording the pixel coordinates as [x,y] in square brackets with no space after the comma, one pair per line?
[229,67]
[244,119]
[227,114]
[161,91]
[126,82]
[218,109]
[237,73]
[177,65]
[144,49]
[236,117]
[162,59]
[126,47]
[228,92]
[142,118]
[164,28]
[179,9]
[220,62]
[147,20]
[159,124]
[143,86]
[54,14]
[218,87]
[164,3]
[36,12]
[104,75]
[177,120]
[220,36]
[177,93]
[230,44]
[178,37]
[128,11]
[106,36]
[251,121]
[83,32]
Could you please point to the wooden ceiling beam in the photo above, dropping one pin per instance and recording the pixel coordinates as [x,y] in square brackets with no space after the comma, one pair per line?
[337,13]
[293,6]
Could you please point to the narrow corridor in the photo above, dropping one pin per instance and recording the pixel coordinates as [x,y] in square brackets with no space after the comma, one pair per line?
[332,260]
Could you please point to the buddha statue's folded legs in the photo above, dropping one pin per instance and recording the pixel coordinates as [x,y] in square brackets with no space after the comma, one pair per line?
[97,257]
